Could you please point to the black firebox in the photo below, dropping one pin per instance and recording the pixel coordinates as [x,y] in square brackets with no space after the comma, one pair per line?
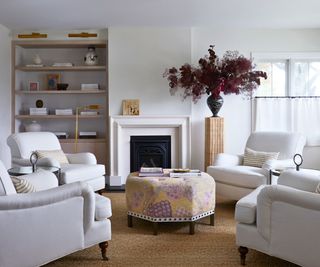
[150,151]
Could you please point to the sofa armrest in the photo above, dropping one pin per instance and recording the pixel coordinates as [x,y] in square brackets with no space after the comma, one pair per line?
[82,158]
[224,159]
[278,164]
[275,194]
[306,180]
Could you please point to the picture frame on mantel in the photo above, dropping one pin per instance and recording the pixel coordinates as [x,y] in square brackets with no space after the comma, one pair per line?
[131,107]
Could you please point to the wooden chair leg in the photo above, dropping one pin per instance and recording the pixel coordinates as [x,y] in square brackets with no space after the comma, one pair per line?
[103,246]
[243,252]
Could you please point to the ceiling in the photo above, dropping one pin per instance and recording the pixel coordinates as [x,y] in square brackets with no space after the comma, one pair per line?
[85,14]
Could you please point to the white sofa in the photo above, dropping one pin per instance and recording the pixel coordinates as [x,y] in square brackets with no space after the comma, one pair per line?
[40,227]
[82,166]
[234,180]
[282,220]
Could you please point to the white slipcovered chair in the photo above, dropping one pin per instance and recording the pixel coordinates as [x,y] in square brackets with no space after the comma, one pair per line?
[282,220]
[234,180]
[82,166]
[40,227]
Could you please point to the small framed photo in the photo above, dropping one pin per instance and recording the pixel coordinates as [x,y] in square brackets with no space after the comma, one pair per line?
[34,86]
[52,81]
[131,107]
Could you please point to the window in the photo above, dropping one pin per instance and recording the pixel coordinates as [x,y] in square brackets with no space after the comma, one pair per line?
[289,74]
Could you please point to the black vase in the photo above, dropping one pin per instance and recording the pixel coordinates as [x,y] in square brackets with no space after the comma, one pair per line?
[215,104]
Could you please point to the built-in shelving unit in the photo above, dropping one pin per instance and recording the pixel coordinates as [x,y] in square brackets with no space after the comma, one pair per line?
[61,51]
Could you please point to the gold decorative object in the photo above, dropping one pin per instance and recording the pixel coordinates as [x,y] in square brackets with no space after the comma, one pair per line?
[33,35]
[83,35]
[131,107]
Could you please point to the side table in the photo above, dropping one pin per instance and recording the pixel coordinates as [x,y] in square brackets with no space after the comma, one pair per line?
[23,170]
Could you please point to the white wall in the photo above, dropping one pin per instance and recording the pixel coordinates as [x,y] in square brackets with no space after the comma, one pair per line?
[236,110]
[137,59]
[5,95]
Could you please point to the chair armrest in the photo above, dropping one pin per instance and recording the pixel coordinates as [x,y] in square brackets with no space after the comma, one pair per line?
[306,180]
[52,196]
[274,164]
[274,194]
[82,158]
[224,159]
[41,180]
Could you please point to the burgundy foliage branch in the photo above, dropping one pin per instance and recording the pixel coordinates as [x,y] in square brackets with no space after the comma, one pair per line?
[233,74]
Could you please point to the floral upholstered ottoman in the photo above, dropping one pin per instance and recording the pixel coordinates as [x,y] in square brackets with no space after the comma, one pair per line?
[165,199]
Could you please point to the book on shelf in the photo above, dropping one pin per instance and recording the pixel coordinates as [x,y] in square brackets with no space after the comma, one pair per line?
[177,174]
[61,135]
[62,64]
[64,111]
[38,111]
[90,135]
[34,65]
[151,172]
[89,113]
[89,86]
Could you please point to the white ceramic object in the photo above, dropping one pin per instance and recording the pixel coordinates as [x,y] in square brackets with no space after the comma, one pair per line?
[91,57]
[33,127]
[37,60]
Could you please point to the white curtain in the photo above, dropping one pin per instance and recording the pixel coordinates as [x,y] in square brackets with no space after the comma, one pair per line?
[289,114]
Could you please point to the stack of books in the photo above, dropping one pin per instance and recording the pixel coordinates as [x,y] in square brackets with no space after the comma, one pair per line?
[64,112]
[89,86]
[150,172]
[176,173]
[66,64]
[38,111]
[89,113]
[90,135]
[61,135]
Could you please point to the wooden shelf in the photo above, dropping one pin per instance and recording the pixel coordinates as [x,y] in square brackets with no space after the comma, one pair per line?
[83,140]
[55,117]
[51,68]
[59,92]
[61,43]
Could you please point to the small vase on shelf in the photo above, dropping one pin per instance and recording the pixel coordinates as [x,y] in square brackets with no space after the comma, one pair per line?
[215,104]
[33,127]
[91,58]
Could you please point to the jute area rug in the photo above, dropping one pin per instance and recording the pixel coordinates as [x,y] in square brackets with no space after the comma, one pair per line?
[173,246]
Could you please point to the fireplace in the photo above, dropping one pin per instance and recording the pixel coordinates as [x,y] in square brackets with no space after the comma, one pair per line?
[150,151]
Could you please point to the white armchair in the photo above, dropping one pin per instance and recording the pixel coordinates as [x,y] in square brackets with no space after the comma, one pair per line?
[81,167]
[282,220]
[234,180]
[40,227]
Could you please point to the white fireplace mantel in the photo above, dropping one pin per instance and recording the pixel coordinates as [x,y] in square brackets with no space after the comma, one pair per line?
[121,127]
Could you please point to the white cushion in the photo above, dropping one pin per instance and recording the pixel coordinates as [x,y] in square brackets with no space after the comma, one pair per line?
[80,172]
[41,180]
[102,208]
[246,207]
[242,176]
[57,155]
[6,185]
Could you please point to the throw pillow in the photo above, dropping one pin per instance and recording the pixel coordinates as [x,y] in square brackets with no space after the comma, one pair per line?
[55,154]
[257,158]
[22,185]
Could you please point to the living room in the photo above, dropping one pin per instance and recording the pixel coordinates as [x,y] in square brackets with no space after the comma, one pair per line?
[143,40]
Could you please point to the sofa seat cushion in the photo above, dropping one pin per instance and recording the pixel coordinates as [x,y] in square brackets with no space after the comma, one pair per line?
[240,176]
[103,208]
[80,172]
[246,207]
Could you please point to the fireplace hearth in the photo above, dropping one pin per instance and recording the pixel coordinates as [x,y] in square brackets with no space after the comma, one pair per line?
[150,151]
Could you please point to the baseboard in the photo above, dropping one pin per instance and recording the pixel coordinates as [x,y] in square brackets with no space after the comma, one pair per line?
[121,188]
